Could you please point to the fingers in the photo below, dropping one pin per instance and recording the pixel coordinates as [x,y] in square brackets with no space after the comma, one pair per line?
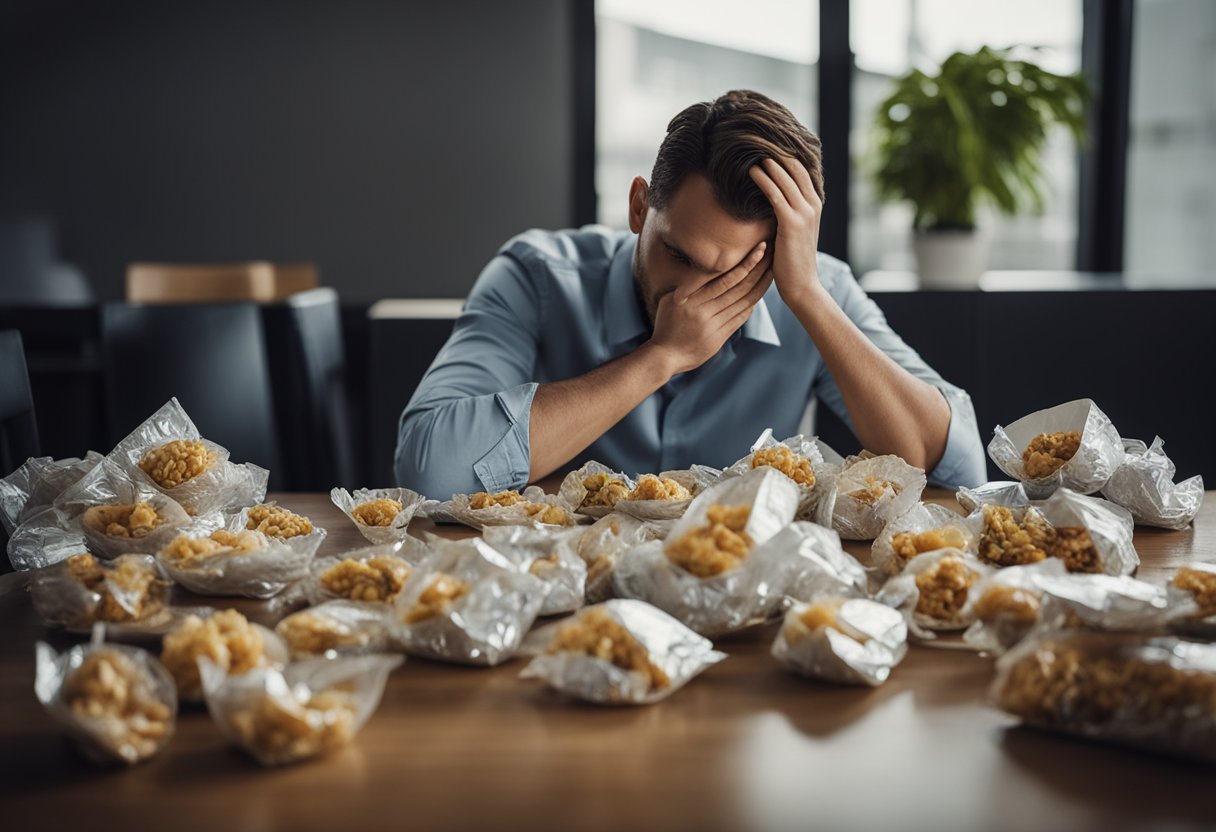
[776,197]
[704,291]
[742,287]
[745,303]
[802,177]
[785,181]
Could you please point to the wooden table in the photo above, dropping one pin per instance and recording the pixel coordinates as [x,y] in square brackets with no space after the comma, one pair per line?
[744,746]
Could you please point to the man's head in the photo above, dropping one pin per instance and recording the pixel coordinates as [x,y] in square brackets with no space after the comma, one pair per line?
[701,211]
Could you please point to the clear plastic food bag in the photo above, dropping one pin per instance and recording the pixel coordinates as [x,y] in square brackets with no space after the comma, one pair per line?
[549,554]
[620,652]
[505,508]
[600,546]
[1144,485]
[309,709]
[819,565]
[80,591]
[926,527]
[1072,445]
[997,493]
[382,515]
[117,702]
[1007,605]
[226,638]
[335,627]
[871,491]
[594,489]
[842,639]
[933,590]
[34,486]
[372,574]
[801,459]
[664,497]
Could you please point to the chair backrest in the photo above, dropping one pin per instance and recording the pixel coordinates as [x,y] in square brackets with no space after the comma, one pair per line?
[308,368]
[211,356]
[256,280]
[18,428]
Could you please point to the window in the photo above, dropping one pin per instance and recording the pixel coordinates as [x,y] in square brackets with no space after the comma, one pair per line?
[889,37]
[655,58]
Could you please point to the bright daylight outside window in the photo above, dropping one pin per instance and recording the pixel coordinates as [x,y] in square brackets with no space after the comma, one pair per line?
[656,58]
[890,37]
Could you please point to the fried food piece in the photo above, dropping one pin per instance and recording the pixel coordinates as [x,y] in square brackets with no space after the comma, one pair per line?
[1048,452]
[378,578]
[549,514]
[798,468]
[544,567]
[1006,542]
[308,633]
[603,490]
[943,589]
[176,462]
[437,599]
[1201,585]
[276,521]
[721,544]
[139,584]
[227,638]
[1076,548]
[1021,606]
[483,499]
[293,730]
[650,487]
[908,545]
[1060,685]
[189,552]
[380,512]
[117,696]
[596,633]
[137,520]
[873,490]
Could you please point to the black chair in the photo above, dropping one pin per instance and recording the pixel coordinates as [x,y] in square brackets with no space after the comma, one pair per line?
[18,428]
[308,374]
[212,357]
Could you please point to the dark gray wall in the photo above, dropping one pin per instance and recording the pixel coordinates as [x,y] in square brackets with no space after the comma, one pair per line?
[396,144]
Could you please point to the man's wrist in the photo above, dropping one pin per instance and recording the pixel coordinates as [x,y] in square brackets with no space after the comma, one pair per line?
[807,299]
[661,360]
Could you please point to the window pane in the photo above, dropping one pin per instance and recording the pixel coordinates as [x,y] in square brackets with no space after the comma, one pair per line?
[655,58]
[889,37]
[1171,164]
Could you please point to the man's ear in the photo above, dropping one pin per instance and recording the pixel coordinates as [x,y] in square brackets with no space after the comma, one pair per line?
[639,203]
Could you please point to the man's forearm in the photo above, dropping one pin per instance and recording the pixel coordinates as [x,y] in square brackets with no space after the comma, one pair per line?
[892,410]
[569,415]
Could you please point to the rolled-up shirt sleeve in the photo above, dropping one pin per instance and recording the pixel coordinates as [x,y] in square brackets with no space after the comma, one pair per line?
[466,428]
[962,462]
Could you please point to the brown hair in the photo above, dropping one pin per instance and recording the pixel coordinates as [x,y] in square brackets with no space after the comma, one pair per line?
[722,139]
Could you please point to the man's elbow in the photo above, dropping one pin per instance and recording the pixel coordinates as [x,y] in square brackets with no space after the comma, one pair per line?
[421,463]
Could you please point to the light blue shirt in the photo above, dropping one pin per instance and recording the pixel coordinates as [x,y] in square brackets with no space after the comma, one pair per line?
[554,305]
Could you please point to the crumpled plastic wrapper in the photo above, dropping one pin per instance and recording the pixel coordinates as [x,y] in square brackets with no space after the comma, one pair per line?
[678,652]
[118,719]
[997,493]
[486,624]
[1109,526]
[457,510]
[1153,693]
[1144,485]
[410,501]
[572,491]
[605,541]
[1103,602]
[1100,453]
[902,593]
[861,647]
[261,573]
[962,533]
[815,503]
[859,513]
[46,538]
[309,709]
[696,479]
[225,486]
[1192,603]
[738,597]
[410,550]
[819,565]
[34,486]
[1013,609]
[275,653]
[335,628]
[62,601]
[549,554]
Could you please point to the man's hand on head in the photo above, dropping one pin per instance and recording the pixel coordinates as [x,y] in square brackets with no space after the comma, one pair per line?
[693,322]
[787,184]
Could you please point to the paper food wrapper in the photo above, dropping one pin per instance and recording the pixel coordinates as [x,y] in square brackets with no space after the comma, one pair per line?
[737,597]
[1095,461]
[678,653]
[863,644]
[1144,485]
[398,529]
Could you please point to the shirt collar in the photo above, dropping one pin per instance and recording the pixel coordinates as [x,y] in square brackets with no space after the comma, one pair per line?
[625,318]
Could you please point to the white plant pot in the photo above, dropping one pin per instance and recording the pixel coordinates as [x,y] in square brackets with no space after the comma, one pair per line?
[950,259]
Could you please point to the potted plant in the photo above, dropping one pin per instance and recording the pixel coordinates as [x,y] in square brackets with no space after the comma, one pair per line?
[974,132]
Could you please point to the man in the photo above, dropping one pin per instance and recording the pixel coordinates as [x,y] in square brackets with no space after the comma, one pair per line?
[679,342]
